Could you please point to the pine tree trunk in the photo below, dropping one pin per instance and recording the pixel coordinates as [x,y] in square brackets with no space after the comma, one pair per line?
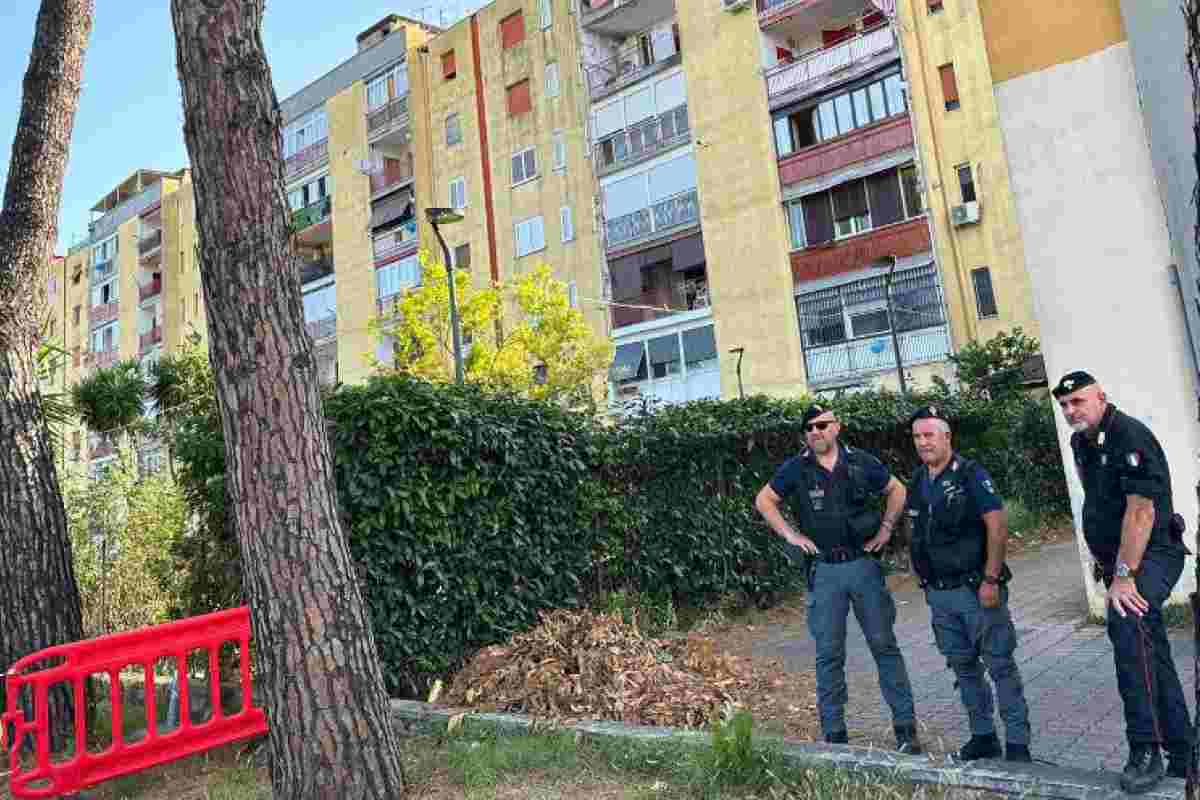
[330,730]
[39,598]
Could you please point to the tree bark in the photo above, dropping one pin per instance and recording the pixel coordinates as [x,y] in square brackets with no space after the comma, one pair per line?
[39,602]
[1191,21]
[330,729]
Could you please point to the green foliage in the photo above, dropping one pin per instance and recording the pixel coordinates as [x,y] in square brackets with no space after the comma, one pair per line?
[181,377]
[111,397]
[121,527]
[733,758]
[652,612]
[995,365]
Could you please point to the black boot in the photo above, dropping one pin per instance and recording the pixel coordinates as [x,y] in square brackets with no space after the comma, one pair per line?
[1178,763]
[1144,770]
[980,747]
[1017,752]
[837,737]
[907,741]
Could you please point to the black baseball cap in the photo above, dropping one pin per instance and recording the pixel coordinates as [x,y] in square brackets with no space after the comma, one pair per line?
[1072,382]
[926,412]
[812,412]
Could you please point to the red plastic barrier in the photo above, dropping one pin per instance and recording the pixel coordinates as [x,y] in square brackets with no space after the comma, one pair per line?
[111,655]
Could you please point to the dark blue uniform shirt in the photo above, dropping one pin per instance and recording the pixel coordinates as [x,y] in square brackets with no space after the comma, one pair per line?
[823,500]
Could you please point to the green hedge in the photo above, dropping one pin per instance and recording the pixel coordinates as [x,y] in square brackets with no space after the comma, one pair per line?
[469,512]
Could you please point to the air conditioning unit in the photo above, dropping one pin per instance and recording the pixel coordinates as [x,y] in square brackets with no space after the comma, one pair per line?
[965,214]
[734,5]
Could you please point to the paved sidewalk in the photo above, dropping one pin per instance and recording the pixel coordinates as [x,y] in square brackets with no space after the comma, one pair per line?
[1066,665]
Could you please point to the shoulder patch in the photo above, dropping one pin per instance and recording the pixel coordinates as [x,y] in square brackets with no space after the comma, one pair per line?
[987,484]
[1133,458]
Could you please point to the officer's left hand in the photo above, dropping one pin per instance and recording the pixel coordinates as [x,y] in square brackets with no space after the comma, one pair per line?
[1123,596]
[879,541]
[989,595]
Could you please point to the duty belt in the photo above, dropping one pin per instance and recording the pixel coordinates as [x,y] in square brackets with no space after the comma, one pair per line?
[840,555]
[952,582]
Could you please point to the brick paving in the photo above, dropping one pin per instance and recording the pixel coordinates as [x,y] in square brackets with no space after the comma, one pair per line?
[1066,665]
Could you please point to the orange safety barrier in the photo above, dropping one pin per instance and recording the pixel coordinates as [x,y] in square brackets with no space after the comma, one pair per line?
[112,655]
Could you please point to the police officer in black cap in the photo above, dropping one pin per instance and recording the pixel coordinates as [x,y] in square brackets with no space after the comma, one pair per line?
[958,545]
[1137,542]
[828,485]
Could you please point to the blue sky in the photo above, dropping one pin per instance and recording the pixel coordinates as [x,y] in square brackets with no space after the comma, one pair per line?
[129,111]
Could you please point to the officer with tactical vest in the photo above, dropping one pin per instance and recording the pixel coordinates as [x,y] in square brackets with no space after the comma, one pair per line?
[1136,538]
[958,545]
[828,486]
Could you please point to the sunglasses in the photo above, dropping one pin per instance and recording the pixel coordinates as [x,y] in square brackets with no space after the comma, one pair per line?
[819,425]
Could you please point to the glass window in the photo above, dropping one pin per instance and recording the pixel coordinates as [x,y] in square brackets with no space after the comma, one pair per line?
[670,92]
[629,363]
[869,322]
[878,105]
[664,356]
[796,224]
[625,196]
[828,120]
[453,130]
[862,110]
[845,114]
[319,304]
[966,183]
[911,190]
[985,296]
[783,136]
[672,178]
[895,94]
[700,348]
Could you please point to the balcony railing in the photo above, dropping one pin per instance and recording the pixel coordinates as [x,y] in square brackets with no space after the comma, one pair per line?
[106,312]
[151,289]
[104,270]
[628,66]
[818,64]
[150,242]
[308,158]
[399,239]
[772,8]
[665,215]
[312,214]
[324,328]
[149,338]
[105,358]
[393,112]
[876,354]
[685,295]
[395,172]
[643,140]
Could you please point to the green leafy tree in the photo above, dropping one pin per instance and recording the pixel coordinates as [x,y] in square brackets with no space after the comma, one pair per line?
[524,335]
[996,366]
[111,398]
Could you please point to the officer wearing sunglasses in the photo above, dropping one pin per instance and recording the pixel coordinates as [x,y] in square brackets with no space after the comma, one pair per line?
[827,487]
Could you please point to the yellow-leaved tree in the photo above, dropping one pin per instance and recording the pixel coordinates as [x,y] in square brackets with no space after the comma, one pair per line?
[542,348]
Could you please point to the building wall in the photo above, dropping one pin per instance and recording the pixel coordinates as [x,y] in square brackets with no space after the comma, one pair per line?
[746,238]
[1097,248]
[967,135]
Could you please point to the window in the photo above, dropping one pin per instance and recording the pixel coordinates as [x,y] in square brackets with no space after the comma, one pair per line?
[949,86]
[629,363]
[448,68]
[567,222]
[105,293]
[512,30]
[935,6]
[573,294]
[881,199]
[665,358]
[850,212]
[453,130]
[77,308]
[104,340]
[699,348]
[839,114]
[462,256]
[985,296]
[312,129]
[398,275]
[544,14]
[524,166]
[519,100]
[552,79]
[560,150]
[458,193]
[531,236]
[910,187]
[966,182]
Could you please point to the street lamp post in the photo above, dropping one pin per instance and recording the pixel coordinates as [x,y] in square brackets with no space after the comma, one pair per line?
[887,283]
[740,351]
[447,216]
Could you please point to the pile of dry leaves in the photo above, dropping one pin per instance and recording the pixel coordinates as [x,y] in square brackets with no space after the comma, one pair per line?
[580,664]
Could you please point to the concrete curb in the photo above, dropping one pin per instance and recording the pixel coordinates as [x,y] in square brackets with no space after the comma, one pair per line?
[1022,780]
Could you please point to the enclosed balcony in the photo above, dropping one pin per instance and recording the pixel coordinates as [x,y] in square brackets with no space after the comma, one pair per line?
[659,282]
[306,158]
[677,212]
[104,313]
[396,242]
[150,289]
[311,222]
[643,140]
[320,310]
[794,78]
[391,170]
[633,61]
[388,116]
[624,17]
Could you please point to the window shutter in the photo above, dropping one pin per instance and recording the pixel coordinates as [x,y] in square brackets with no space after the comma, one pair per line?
[512,30]
[530,163]
[518,168]
[560,150]
[448,66]
[519,99]
[949,86]
[567,223]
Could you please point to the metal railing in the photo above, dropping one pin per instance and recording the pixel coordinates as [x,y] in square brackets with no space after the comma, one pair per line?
[643,139]
[151,289]
[312,214]
[308,158]
[784,78]
[402,237]
[104,269]
[324,328]
[876,354]
[151,242]
[105,312]
[389,179]
[629,65]
[149,338]
[386,116]
[673,212]
[773,6]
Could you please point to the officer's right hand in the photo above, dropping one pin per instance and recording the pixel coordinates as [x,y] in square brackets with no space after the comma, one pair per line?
[1124,597]
[804,543]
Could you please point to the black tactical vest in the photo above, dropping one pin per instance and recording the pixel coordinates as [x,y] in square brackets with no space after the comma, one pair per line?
[831,507]
[949,540]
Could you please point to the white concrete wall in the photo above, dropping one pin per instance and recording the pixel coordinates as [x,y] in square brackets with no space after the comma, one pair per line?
[1098,253]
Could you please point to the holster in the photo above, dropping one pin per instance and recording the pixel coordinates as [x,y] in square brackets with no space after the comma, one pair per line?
[1102,573]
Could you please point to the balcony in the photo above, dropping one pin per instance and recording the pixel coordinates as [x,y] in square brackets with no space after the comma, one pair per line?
[839,362]
[902,239]
[772,11]
[856,147]
[665,216]
[149,339]
[643,140]
[105,358]
[812,70]
[627,67]
[391,115]
[309,158]
[395,173]
[103,313]
[150,243]
[396,243]
[104,271]
[151,289]
[686,294]
[321,329]
[311,223]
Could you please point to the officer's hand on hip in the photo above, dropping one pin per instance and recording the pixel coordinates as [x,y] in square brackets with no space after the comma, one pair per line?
[879,540]
[989,595]
[1123,596]
[804,543]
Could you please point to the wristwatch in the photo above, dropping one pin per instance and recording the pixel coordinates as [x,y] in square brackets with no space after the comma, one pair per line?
[1124,570]
[994,581]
